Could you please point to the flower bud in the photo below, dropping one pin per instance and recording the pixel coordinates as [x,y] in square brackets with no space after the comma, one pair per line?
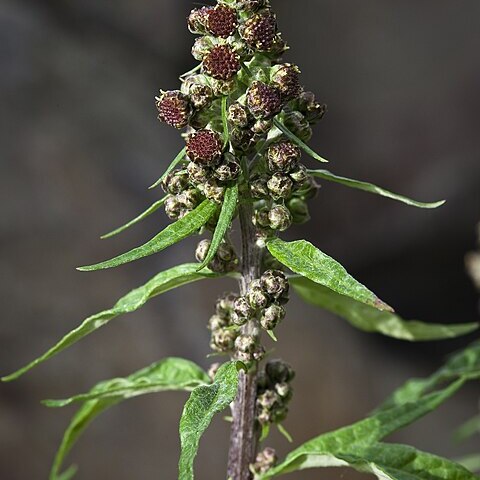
[226,252]
[256,296]
[223,340]
[299,175]
[258,187]
[262,126]
[241,139]
[250,5]
[200,95]
[212,371]
[221,63]
[197,174]
[313,110]
[243,310]
[213,191]
[264,417]
[279,186]
[280,218]
[197,19]
[284,390]
[223,88]
[219,266]
[279,371]
[228,170]
[272,316]
[217,322]
[173,108]
[268,400]
[201,48]
[308,190]
[298,125]
[279,414]
[222,21]
[245,343]
[264,101]
[224,305]
[190,199]
[204,147]
[259,31]
[286,78]
[202,250]
[173,208]
[261,218]
[175,182]
[274,283]
[265,460]
[283,156]
[299,210]
[238,115]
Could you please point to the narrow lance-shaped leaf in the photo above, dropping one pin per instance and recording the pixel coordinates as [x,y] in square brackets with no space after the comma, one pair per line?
[161,283]
[225,219]
[338,447]
[468,429]
[291,136]
[465,364]
[371,188]
[369,319]
[175,162]
[168,374]
[303,258]
[172,234]
[226,135]
[151,209]
[203,404]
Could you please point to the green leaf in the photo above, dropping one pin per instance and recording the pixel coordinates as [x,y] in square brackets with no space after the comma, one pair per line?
[224,221]
[161,283]
[303,258]
[462,365]
[371,188]
[369,319]
[151,209]
[291,136]
[175,162]
[338,447]
[471,462]
[226,134]
[468,429]
[203,404]
[168,374]
[175,232]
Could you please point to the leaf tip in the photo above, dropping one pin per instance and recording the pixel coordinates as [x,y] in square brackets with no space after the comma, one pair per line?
[382,306]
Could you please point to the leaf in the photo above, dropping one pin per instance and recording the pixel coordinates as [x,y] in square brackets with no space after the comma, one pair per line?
[161,283]
[465,364]
[175,162]
[369,319]
[303,258]
[297,141]
[175,232]
[225,219]
[471,462]
[371,188]
[151,209]
[203,404]
[468,429]
[168,374]
[226,134]
[341,447]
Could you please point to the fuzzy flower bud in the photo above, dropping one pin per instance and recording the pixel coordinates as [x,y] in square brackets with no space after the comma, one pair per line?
[221,63]
[217,322]
[204,147]
[224,305]
[286,78]
[260,218]
[308,190]
[173,108]
[175,182]
[298,124]
[272,316]
[265,460]
[242,310]
[226,252]
[189,199]
[280,186]
[201,48]
[308,105]
[262,126]
[251,5]
[283,156]
[279,371]
[280,218]
[284,390]
[197,19]
[258,186]
[274,283]
[200,94]
[299,175]
[223,340]
[222,21]
[238,115]
[259,31]
[213,191]
[242,139]
[268,400]
[197,174]
[202,250]
[264,101]
[173,208]
[245,343]
[256,296]
[228,170]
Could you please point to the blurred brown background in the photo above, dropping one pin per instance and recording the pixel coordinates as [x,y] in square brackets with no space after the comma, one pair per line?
[80,143]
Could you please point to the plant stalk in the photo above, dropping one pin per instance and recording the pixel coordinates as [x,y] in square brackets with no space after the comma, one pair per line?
[244,433]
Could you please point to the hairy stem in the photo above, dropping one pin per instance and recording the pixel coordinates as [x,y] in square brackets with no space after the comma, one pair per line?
[244,434]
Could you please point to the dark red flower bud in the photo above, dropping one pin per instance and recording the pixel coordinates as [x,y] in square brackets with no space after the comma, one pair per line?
[174,108]
[260,30]
[264,101]
[222,21]
[221,63]
[204,147]
[286,78]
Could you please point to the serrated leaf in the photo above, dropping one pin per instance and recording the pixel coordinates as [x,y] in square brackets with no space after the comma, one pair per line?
[464,364]
[151,209]
[161,283]
[168,374]
[369,319]
[175,162]
[371,188]
[203,404]
[338,447]
[224,221]
[300,143]
[175,232]
[305,259]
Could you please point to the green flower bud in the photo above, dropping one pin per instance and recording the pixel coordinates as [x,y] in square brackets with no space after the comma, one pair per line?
[223,340]
[224,87]
[221,63]
[228,170]
[204,147]
[299,175]
[299,210]
[217,322]
[173,208]
[279,371]
[258,187]
[238,115]
[279,186]
[251,5]
[264,417]
[286,77]
[275,283]
[272,316]
[263,101]
[308,105]
[175,182]
[262,126]
[308,190]
[298,125]
[259,31]
[283,156]
[265,460]
[222,21]
[201,48]
[202,250]
[190,199]
[280,218]
[213,191]
[279,414]
[256,296]
[174,108]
